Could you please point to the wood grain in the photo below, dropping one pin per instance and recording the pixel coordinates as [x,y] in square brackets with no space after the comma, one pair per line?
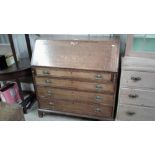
[77,108]
[100,77]
[64,94]
[76,85]
[88,55]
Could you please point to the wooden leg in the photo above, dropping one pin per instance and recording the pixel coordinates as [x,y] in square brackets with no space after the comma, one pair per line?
[21,95]
[40,114]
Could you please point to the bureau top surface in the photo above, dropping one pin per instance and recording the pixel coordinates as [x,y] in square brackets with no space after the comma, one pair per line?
[87,55]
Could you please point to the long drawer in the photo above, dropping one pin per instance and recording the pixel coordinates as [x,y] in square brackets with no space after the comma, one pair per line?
[137,97]
[137,79]
[135,113]
[77,108]
[64,94]
[74,74]
[77,85]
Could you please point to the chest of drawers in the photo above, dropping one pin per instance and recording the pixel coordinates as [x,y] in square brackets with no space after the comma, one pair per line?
[77,78]
[137,90]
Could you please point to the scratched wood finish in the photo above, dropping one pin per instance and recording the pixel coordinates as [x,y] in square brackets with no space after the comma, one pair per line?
[74,74]
[78,108]
[88,55]
[77,85]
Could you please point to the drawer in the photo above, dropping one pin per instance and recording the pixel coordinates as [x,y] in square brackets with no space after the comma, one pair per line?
[77,108]
[75,74]
[76,85]
[137,79]
[64,94]
[135,113]
[137,97]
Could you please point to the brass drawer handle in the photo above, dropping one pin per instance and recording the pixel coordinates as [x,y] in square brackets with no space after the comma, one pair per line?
[49,91]
[135,79]
[48,81]
[46,72]
[99,77]
[98,98]
[49,94]
[132,96]
[51,103]
[98,110]
[98,87]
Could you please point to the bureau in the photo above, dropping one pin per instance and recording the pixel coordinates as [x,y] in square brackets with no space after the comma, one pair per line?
[77,78]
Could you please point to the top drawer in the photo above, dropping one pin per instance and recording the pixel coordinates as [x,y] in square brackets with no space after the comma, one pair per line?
[137,79]
[64,73]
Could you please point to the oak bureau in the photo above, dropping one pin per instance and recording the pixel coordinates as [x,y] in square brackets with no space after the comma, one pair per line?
[77,78]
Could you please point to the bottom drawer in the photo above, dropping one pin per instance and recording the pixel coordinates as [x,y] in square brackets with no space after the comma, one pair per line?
[77,108]
[135,113]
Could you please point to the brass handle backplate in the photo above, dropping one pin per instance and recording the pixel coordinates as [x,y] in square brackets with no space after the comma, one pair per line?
[46,72]
[99,87]
[48,81]
[99,77]
[98,98]
[98,110]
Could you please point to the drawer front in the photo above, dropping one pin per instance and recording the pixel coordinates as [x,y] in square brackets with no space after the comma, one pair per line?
[63,94]
[77,85]
[87,75]
[137,97]
[135,113]
[137,79]
[77,108]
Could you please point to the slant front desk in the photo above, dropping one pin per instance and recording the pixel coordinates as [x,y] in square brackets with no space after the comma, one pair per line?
[77,78]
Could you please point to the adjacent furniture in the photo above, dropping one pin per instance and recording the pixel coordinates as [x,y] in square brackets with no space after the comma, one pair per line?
[19,72]
[77,78]
[137,86]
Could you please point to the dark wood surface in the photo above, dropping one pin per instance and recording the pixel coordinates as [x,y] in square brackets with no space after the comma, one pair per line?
[14,72]
[88,55]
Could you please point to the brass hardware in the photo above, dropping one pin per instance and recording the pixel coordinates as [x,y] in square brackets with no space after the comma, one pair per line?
[99,77]
[49,94]
[98,87]
[135,79]
[51,103]
[133,96]
[49,91]
[48,81]
[98,110]
[98,98]
[46,72]
[130,113]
